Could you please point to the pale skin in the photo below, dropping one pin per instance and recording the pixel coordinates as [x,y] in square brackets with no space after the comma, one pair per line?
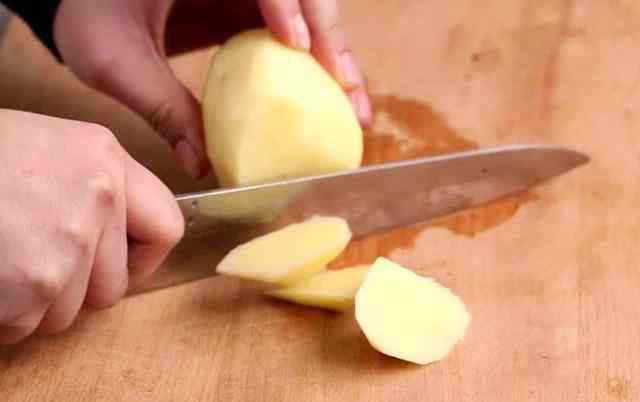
[82,220]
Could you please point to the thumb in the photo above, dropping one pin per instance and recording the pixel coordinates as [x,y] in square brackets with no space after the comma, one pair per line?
[120,60]
[164,103]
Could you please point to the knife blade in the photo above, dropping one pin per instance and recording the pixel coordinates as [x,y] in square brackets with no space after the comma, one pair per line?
[372,199]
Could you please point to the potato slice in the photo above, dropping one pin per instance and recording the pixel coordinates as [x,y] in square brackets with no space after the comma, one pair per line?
[290,254]
[329,289]
[272,112]
[407,316]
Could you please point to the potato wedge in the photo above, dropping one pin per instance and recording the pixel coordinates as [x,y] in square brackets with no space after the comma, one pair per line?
[328,289]
[290,254]
[408,316]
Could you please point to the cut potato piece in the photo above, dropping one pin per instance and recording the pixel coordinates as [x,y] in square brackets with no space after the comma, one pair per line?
[272,112]
[408,316]
[330,289]
[290,254]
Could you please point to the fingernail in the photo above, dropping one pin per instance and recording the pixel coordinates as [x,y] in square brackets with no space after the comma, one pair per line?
[351,77]
[187,158]
[362,106]
[303,38]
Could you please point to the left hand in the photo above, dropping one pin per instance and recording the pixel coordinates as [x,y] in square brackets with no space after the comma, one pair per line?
[120,47]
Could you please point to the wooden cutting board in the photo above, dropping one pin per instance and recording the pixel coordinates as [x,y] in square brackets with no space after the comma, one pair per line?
[549,276]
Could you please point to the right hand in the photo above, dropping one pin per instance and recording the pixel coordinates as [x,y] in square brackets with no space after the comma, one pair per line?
[79,221]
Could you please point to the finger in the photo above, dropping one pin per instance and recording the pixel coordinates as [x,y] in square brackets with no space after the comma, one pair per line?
[109,275]
[139,76]
[66,307]
[362,106]
[154,221]
[80,258]
[21,328]
[329,45]
[166,105]
[330,49]
[284,18]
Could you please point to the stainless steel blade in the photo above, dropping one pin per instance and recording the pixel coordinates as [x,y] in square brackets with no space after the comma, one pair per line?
[372,199]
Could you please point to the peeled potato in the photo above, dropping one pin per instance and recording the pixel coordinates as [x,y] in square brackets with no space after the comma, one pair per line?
[272,112]
[290,254]
[330,289]
[408,316]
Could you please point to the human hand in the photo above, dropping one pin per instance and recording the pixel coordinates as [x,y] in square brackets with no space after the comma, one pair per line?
[71,201]
[120,46]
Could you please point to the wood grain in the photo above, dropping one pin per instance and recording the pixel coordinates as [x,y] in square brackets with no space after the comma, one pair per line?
[550,277]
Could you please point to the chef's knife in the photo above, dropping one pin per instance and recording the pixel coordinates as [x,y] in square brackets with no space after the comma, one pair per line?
[372,199]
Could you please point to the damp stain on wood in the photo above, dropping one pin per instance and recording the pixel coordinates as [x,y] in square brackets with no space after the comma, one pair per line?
[404,129]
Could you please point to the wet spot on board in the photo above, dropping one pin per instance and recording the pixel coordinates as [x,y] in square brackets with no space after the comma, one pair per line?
[405,129]
[475,221]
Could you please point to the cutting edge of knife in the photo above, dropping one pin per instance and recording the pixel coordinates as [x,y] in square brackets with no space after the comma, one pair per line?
[579,159]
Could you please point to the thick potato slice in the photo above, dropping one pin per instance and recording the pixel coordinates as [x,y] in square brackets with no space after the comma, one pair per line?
[272,112]
[290,254]
[407,316]
[329,289]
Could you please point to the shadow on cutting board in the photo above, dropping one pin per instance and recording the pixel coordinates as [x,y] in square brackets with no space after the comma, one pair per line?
[343,343]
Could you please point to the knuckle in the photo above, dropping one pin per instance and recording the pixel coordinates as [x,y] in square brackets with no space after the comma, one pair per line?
[45,283]
[102,184]
[103,190]
[78,238]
